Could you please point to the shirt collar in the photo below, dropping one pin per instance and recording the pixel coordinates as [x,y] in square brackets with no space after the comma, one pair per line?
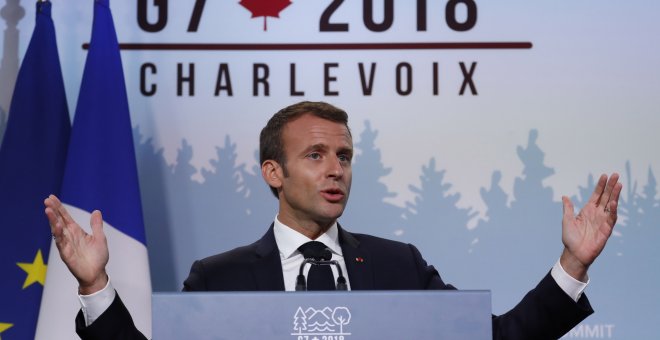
[288,240]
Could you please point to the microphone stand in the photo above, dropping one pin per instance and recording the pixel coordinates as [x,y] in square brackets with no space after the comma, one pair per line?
[301,282]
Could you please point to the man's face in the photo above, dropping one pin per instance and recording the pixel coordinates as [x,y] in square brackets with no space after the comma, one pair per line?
[318,163]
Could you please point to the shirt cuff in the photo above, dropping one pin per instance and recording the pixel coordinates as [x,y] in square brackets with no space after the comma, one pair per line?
[572,287]
[93,305]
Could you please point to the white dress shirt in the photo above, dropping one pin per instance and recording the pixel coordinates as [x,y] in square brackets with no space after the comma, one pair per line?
[288,241]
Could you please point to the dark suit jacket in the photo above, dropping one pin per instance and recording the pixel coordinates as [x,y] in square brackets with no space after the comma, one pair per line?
[546,312]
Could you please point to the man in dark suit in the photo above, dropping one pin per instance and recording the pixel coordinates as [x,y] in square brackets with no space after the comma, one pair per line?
[305,153]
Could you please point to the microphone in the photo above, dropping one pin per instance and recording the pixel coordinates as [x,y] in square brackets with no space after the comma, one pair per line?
[319,258]
[341,281]
[301,283]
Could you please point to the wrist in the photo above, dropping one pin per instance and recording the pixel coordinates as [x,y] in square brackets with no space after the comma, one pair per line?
[92,287]
[573,267]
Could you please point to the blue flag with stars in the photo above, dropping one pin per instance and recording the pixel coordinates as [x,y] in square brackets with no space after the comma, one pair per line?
[32,158]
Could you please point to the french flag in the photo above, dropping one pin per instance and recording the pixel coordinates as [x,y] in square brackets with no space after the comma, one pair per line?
[101,173]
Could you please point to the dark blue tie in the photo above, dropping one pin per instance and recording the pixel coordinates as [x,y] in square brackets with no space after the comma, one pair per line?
[319,276]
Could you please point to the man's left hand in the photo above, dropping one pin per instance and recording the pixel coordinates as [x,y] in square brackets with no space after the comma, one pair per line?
[584,236]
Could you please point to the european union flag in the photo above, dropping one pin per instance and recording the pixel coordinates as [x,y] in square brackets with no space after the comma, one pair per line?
[32,158]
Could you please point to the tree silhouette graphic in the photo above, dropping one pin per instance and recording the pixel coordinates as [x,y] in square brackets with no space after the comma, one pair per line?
[262,205]
[584,192]
[299,321]
[225,202]
[341,316]
[372,214]
[528,190]
[525,236]
[495,198]
[154,175]
[435,224]
[648,203]
[181,192]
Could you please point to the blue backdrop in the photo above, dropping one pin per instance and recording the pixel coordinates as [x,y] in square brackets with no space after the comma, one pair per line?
[470,120]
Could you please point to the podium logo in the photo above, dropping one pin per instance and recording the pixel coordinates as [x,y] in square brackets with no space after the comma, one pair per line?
[321,324]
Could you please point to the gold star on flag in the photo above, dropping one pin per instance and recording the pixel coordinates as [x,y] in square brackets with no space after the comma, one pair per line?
[4,327]
[36,270]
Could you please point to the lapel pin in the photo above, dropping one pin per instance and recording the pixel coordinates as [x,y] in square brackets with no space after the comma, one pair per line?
[359,259]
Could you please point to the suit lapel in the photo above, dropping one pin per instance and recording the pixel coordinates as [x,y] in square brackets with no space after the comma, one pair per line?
[358,262]
[268,266]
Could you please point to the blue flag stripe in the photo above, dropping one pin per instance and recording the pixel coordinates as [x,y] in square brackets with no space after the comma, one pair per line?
[101,170]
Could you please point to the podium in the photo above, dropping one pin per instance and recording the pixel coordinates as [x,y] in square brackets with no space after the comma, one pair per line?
[323,315]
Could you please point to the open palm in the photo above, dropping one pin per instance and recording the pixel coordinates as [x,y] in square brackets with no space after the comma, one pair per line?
[84,254]
[584,235]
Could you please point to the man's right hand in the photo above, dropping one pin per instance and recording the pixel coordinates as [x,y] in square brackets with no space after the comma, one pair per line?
[85,255]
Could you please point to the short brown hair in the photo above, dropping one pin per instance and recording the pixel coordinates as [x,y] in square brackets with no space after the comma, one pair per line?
[271,144]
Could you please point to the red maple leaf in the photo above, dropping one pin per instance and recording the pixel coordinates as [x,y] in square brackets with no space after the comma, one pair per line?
[265,8]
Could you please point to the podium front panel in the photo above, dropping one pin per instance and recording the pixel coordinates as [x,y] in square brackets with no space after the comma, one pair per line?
[323,315]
